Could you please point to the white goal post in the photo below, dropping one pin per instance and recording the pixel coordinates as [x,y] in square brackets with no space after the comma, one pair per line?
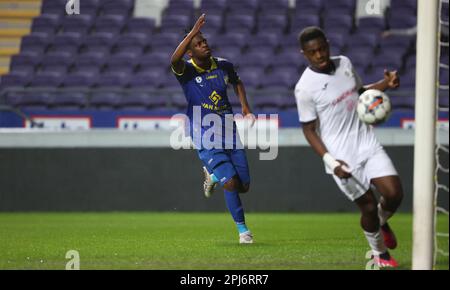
[425,139]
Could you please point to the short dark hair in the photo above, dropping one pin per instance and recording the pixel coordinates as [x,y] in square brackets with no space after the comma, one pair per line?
[310,33]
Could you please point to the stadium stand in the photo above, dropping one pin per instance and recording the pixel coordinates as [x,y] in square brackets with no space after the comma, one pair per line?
[107,59]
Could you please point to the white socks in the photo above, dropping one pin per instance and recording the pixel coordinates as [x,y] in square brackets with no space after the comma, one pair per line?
[376,242]
[383,215]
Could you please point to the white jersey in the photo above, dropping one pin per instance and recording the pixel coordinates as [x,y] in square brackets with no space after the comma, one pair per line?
[331,99]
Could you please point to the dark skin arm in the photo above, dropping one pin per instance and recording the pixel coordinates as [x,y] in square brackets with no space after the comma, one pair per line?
[177,57]
[391,81]
[239,89]
[310,131]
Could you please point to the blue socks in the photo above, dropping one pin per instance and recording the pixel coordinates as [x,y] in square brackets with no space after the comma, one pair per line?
[234,205]
[214,178]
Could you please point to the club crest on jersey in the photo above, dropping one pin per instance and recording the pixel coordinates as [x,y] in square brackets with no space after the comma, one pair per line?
[199,80]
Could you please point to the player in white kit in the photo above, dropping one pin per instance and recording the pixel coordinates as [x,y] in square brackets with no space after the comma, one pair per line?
[327,94]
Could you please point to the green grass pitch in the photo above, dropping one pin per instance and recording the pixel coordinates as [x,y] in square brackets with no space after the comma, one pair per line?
[189,241]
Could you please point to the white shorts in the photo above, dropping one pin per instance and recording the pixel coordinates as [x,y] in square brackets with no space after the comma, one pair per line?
[378,165]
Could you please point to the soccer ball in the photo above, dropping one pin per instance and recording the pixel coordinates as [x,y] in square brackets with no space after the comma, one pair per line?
[374,107]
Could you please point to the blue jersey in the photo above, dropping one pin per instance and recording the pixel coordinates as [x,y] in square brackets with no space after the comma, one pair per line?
[207,90]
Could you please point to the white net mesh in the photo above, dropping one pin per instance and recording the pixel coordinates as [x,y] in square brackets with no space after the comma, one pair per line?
[442,150]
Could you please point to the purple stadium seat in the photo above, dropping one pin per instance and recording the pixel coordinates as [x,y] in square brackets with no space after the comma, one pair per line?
[345,22]
[105,100]
[46,23]
[290,58]
[155,59]
[112,79]
[88,64]
[231,39]
[265,39]
[255,59]
[302,21]
[408,80]
[79,80]
[301,5]
[365,40]
[243,7]
[175,24]
[402,21]
[110,24]
[443,98]
[59,64]
[401,102]
[14,80]
[166,39]
[35,101]
[337,40]
[396,43]
[347,5]
[215,25]
[47,79]
[443,76]
[251,76]
[146,79]
[77,23]
[134,43]
[231,54]
[35,44]
[117,7]
[54,7]
[240,23]
[360,60]
[214,7]
[169,81]
[272,24]
[69,42]
[90,7]
[70,101]
[124,63]
[266,102]
[281,79]
[404,6]
[98,43]
[371,25]
[140,25]
[388,60]
[274,7]
[24,64]
[135,102]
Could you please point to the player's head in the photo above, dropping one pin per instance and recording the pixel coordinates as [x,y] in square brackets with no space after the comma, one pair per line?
[315,47]
[198,47]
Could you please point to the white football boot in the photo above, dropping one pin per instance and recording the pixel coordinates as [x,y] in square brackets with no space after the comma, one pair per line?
[246,238]
[208,184]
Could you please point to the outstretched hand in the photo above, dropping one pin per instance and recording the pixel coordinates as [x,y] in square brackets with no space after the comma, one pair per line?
[199,24]
[391,79]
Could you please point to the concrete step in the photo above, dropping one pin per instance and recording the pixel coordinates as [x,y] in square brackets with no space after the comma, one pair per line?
[9,51]
[4,70]
[6,32]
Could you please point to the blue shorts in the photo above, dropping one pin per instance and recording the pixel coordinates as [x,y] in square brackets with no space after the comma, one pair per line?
[225,164]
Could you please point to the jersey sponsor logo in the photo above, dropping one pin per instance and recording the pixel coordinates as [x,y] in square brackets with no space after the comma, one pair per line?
[344,96]
[215,98]
[211,77]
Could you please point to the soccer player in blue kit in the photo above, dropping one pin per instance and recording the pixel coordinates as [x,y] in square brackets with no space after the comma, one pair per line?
[204,80]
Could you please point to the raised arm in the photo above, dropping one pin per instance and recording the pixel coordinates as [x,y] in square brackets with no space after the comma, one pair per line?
[177,57]
[391,81]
